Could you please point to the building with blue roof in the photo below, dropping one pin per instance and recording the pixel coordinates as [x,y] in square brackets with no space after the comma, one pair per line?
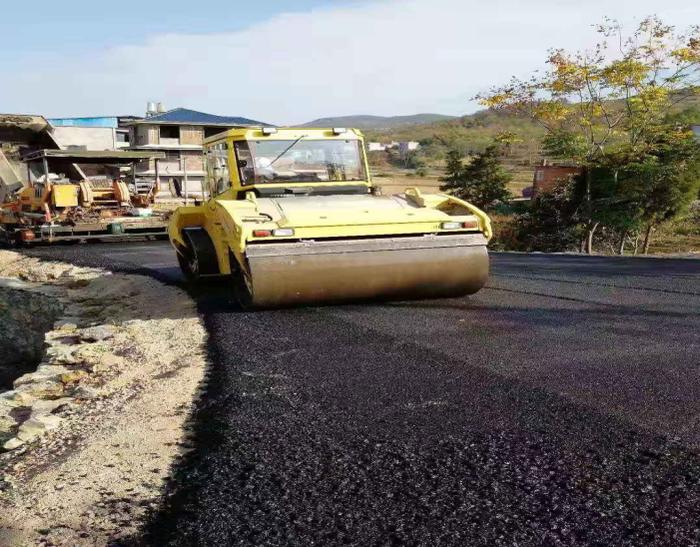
[93,121]
[180,133]
[92,132]
[187,116]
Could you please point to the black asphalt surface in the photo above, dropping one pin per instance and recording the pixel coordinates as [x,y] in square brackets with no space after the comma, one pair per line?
[558,406]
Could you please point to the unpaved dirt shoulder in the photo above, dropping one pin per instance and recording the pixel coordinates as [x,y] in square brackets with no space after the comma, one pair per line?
[135,350]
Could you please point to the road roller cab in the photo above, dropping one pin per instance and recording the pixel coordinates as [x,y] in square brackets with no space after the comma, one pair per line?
[292,216]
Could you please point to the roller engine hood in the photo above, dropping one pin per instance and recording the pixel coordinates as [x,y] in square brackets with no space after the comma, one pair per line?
[352,209]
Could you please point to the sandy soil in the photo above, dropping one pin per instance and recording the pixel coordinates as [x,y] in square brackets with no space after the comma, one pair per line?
[91,480]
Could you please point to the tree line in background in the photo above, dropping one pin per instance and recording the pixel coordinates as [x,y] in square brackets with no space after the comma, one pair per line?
[614,112]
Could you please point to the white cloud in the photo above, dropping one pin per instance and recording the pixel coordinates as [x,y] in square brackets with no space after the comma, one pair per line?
[391,57]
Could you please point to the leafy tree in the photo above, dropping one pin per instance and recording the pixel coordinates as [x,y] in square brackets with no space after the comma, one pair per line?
[482,182]
[552,224]
[453,169]
[610,103]
[506,140]
[614,200]
[669,179]
[414,160]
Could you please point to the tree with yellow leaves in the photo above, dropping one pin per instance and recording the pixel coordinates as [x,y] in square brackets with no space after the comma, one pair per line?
[610,107]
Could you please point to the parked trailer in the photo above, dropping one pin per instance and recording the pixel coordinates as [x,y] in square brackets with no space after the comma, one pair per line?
[51,208]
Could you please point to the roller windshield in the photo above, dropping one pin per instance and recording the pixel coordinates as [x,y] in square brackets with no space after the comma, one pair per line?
[303,160]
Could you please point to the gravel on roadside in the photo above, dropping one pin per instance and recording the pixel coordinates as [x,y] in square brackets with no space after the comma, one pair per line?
[131,354]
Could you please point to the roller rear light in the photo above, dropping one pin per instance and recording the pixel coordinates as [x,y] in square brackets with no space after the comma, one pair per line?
[454,225]
[277,232]
[283,232]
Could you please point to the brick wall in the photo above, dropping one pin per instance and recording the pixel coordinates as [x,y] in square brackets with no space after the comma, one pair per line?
[190,134]
[548,176]
[144,134]
[193,159]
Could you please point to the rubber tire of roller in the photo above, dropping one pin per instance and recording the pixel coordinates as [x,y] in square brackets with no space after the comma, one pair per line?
[240,293]
[200,258]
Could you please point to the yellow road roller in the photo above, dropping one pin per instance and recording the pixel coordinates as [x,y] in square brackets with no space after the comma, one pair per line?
[292,217]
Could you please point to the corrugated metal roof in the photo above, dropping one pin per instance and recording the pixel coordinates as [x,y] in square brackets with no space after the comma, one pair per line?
[93,156]
[94,121]
[185,115]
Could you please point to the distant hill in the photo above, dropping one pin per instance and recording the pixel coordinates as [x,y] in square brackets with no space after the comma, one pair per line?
[378,122]
[473,132]
[468,134]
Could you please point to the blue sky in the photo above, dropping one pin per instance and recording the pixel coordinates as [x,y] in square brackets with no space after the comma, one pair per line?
[288,61]
[68,25]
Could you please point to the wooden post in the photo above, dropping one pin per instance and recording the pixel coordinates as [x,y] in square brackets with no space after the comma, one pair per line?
[45,205]
[157,186]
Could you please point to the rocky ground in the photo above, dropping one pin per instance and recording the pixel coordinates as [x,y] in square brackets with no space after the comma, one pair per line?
[90,436]
[26,317]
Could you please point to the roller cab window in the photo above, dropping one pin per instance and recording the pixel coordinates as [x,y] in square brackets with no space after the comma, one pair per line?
[302,160]
[217,169]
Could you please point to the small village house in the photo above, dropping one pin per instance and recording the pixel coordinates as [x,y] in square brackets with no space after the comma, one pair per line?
[546,177]
[180,133]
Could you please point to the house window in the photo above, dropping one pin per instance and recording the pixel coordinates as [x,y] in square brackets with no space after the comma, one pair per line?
[141,133]
[211,131]
[169,132]
[172,157]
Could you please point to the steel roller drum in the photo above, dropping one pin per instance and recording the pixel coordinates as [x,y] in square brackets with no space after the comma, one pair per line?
[396,268]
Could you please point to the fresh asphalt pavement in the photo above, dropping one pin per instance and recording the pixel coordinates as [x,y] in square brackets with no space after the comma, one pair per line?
[558,406]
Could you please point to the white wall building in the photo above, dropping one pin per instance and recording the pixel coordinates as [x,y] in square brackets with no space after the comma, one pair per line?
[93,133]
[86,138]
[376,147]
